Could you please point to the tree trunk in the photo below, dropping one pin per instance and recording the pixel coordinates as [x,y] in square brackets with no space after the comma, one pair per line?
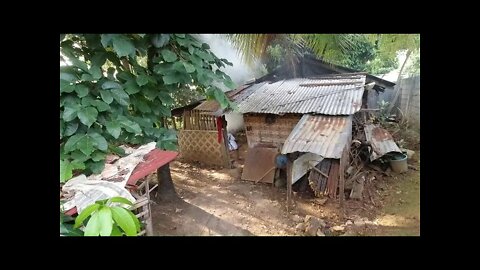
[166,189]
[394,101]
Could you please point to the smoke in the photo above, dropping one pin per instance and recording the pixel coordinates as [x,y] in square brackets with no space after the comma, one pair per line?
[240,72]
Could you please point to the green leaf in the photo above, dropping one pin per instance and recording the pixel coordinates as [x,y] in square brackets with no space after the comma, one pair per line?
[191,49]
[100,141]
[106,96]
[165,98]
[171,78]
[96,72]
[168,55]
[101,106]
[124,220]
[125,75]
[67,77]
[99,59]
[85,213]
[79,156]
[106,39]
[160,40]
[85,145]
[80,64]
[87,77]
[204,55]
[119,200]
[65,170]
[97,156]
[221,98]
[69,112]
[142,80]
[120,96]
[87,101]
[66,87]
[96,167]
[81,90]
[205,46]
[226,62]
[87,115]
[105,220]
[93,226]
[130,126]
[131,87]
[111,85]
[168,146]
[123,46]
[117,150]
[189,67]
[77,165]
[135,219]
[71,143]
[70,129]
[116,231]
[114,128]
[142,106]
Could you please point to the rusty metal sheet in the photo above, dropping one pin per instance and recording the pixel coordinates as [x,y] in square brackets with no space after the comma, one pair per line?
[260,164]
[302,165]
[382,142]
[331,95]
[323,135]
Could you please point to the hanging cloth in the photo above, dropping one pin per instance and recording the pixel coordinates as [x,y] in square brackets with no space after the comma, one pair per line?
[219,129]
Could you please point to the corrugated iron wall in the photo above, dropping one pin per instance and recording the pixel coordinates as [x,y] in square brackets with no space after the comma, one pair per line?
[259,132]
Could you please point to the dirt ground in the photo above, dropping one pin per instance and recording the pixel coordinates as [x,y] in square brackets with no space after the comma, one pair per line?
[215,201]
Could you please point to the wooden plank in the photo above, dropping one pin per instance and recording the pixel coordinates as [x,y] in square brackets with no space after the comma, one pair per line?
[289,184]
[342,180]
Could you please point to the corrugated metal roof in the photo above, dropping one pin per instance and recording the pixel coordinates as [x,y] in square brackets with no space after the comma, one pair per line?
[320,134]
[333,95]
[381,141]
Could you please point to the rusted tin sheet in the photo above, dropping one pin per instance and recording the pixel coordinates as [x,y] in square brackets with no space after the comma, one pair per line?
[260,164]
[382,142]
[323,135]
[337,95]
[302,165]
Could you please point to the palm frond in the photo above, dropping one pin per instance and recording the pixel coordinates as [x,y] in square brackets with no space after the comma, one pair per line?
[252,47]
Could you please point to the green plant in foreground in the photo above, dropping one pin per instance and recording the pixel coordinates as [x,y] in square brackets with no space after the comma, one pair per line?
[108,220]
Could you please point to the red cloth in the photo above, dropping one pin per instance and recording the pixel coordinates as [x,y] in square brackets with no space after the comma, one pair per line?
[219,129]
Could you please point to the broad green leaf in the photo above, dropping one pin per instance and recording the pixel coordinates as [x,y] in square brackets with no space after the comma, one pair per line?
[97,156]
[71,143]
[142,106]
[135,219]
[171,78]
[67,77]
[81,90]
[85,213]
[99,59]
[142,80]
[96,72]
[130,126]
[124,220]
[119,200]
[116,231]
[221,98]
[87,77]
[165,98]
[106,96]
[100,141]
[123,46]
[80,64]
[120,96]
[160,40]
[189,67]
[105,220]
[106,39]
[191,49]
[65,170]
[87,115]
[77,165]
[87,101]
[93,225]
[169,146]
[111,85]
[66,87]
[229,83]
[70,129]
[101,106]
[164,111]
[117,150]
[150,93]
[96,167]
[204,55]
[226,62]
[179,67]
[125,75]
[131,87]
[69,112]
[85,144]
[168,55]
[79,156]
[163,68]
[205,46]
[114,128]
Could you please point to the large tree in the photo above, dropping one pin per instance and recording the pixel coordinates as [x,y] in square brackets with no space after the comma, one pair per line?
[116,88]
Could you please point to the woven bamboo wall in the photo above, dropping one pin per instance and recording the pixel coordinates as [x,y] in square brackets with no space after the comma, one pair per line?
[202,146]
[198,120]
[259,132]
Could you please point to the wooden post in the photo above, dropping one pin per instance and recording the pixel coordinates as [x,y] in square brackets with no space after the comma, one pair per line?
[289,184]
[341,179]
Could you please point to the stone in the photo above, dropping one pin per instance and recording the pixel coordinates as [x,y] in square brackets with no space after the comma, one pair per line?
[300,227]
[178,210]
[338,228]
[320,233]
[297,218]
[321,201]
[349,222]
[359,222]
